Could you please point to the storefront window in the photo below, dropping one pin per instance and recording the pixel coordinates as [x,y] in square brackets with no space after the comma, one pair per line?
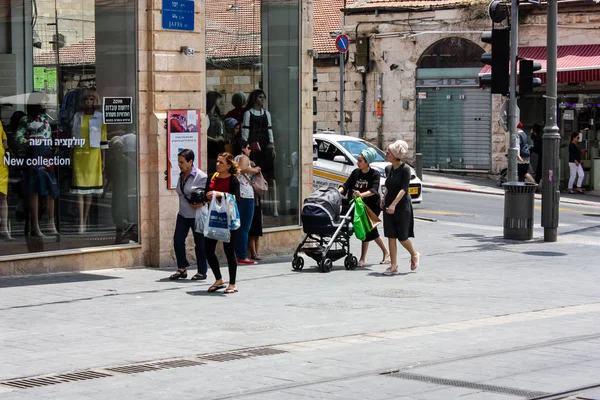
[253,80]
[68,164]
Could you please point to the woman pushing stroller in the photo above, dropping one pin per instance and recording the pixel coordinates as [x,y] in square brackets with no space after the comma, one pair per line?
[363,182]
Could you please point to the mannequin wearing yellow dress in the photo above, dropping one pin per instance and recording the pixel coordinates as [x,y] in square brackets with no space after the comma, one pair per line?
[88,159]
[4,232]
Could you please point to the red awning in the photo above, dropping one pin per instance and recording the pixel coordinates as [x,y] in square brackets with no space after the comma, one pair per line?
[577,63]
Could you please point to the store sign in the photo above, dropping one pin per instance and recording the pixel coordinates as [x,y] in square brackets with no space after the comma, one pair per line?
[117,110]
[569,115]
[178,15]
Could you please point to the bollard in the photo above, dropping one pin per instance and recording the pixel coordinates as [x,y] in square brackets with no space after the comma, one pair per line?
[519,199]
[419,165]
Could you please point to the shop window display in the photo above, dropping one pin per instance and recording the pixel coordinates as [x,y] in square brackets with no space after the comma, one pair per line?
[253,55]
[68,166]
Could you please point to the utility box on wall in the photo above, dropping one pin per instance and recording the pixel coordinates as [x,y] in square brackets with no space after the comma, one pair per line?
[363,53]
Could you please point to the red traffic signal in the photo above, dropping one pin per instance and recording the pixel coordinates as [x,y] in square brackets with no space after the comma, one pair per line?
[526,80]
[498,59]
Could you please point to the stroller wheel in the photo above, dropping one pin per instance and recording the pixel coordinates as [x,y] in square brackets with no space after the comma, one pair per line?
[298,263]
[351,262]
[326,265]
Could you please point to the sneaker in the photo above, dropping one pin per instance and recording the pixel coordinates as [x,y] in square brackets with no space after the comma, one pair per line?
[245,261]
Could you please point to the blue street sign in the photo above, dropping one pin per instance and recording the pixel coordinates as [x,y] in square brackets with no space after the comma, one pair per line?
[342,42]
[178,15]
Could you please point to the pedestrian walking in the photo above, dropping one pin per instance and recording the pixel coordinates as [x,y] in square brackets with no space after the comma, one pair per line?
[190,180]
[223,181]
[398,218]
[246,200]
[523,156]
[536,136]
[575,164]
[363,182]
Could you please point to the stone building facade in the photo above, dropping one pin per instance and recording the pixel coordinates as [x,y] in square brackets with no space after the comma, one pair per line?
[399,38]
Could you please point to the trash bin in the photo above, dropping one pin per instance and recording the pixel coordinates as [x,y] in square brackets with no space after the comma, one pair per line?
[519,198]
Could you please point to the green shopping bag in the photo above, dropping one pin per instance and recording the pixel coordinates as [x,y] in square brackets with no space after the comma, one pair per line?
[361,222]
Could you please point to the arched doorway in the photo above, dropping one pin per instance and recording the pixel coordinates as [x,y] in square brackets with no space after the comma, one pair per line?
[454,129]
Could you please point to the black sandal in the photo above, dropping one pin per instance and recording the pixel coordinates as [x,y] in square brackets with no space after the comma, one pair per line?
[179,274]
[215,287]
[199,277]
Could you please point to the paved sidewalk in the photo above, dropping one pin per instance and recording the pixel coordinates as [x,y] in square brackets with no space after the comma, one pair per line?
[438,180]
[482,318]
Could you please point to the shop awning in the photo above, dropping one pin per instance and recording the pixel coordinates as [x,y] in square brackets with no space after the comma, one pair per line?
[577,63]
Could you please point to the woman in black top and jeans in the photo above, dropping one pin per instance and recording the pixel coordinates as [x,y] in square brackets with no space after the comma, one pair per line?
[222,182]
[398,218]
[363,182]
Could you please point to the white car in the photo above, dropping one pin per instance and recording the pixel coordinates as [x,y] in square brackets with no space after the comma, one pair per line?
[335,159]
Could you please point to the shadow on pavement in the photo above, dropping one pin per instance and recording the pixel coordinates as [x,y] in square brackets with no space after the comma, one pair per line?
[218,293]
[52,279]
[544,253]
[381,275]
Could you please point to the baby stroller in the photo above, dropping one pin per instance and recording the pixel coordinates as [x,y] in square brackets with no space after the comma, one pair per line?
[326,234]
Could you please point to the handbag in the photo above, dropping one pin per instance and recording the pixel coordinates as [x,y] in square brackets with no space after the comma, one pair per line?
[361,222]
[201,217]
[216,226]
[259,184]
[233,222]
[374,219]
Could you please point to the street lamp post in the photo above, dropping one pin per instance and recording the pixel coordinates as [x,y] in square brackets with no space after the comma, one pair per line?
[551,137]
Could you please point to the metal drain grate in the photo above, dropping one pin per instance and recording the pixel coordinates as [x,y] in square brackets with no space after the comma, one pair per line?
[240,354]
[467,385]
[28,383]
[154,366]
[157,365]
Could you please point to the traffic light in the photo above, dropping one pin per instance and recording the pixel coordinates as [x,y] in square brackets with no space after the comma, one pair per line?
[498,59]
[526,80]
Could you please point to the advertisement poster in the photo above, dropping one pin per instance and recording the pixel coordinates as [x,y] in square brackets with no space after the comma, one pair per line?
[182,131]
[117,110]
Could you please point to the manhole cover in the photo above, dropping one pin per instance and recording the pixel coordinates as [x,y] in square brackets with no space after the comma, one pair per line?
[333,306]
[396,293]
[245,327]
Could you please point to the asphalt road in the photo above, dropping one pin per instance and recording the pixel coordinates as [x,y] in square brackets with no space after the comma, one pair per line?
[576,222]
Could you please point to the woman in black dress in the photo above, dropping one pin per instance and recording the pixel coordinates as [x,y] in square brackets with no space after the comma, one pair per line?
[398,218]
[363,182]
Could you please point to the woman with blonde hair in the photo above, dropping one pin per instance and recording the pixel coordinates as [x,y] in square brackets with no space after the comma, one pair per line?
[398,218]
[222,182]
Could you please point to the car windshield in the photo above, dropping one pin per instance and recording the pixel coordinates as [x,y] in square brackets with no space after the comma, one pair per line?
[354,147]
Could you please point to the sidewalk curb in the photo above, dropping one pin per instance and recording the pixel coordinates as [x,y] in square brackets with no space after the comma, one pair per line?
[501,193]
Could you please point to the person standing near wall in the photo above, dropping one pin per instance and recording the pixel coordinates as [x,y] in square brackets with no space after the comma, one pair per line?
[246,201]
[575,167]
[523,156]
[216,130]
[398,218]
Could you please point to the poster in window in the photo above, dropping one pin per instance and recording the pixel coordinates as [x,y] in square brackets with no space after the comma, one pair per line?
[182,131]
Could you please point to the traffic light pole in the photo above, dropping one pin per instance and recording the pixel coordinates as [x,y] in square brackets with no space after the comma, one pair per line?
[512,104]
[551,137]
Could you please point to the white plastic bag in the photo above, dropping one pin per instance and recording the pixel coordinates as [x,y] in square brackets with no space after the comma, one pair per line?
[201,217]
[216,226]
[234,214]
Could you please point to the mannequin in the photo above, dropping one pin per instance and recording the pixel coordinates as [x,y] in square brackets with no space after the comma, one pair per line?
[258,131]
[38,180]
[88,159]
[4,232]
